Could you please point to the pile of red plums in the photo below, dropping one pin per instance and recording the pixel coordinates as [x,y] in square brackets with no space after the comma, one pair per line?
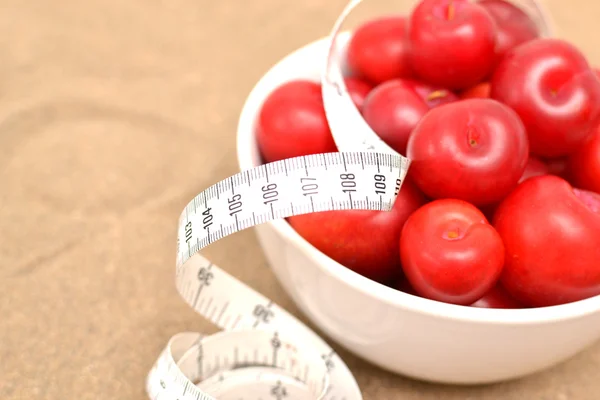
[500,207]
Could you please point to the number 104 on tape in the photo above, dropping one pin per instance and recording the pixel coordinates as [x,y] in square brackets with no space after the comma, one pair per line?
[263,352]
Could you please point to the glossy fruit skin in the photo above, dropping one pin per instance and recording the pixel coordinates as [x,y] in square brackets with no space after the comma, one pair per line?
[552,243]
[392,110]
[358,89]
[433,96]
[549,83]
[534,167]
[378,50]
[584,164]
[514,26]
[479,91]
[293,113]
[497,297]
[452,42]
[474,150]
[366,242]
[450,252]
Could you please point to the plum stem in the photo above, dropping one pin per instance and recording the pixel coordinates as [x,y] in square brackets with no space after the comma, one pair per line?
[437,94]
[453,234]
[450,11]
[472,136]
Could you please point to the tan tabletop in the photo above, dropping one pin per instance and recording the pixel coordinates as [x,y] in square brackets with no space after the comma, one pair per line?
[115,113]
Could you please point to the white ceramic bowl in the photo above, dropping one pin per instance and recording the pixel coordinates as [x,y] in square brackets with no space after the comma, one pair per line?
[399,332]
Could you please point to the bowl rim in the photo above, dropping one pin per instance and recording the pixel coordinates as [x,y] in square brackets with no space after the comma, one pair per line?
[245,142]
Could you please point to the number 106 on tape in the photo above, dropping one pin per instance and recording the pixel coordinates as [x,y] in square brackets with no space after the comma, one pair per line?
[323,182]
[263,352]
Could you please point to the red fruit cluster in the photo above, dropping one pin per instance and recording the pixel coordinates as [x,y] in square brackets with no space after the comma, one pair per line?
[501,206]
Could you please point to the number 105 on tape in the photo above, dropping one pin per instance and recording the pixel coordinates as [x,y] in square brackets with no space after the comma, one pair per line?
[323,182]
[263,352]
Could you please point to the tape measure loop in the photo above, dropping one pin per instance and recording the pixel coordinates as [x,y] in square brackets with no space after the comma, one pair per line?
[259,337]
[263,351]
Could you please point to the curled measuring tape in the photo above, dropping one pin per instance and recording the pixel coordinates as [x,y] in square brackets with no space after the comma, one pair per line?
[263,352]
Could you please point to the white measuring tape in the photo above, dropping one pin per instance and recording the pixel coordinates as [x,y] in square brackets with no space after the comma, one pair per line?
[263,352]
[281,355]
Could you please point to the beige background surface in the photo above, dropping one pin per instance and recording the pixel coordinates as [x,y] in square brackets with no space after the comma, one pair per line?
[113,114]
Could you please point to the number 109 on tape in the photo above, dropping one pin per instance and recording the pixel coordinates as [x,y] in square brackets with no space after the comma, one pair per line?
[323,182]
[263,352]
